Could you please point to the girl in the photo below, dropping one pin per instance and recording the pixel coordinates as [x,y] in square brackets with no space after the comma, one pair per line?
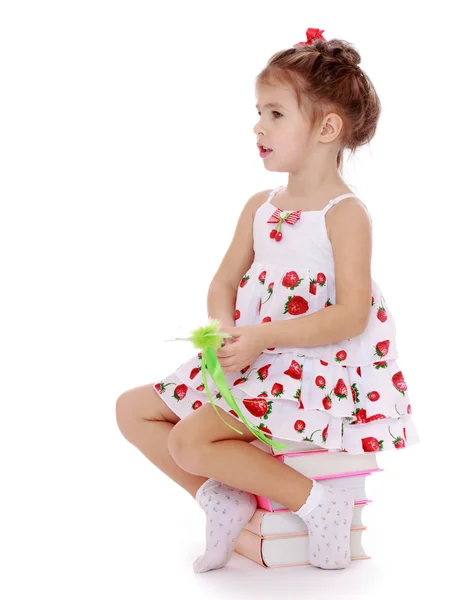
[313,353]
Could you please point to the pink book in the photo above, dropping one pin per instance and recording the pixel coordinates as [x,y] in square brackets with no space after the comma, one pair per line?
[353,481]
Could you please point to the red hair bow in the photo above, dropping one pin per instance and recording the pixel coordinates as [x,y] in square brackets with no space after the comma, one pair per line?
[312,34]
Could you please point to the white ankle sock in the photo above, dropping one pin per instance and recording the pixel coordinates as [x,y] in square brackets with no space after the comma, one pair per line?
[227,510]
[327,512]
[315,495]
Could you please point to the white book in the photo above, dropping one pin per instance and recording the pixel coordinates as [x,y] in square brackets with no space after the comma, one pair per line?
[290,551]
[265,523]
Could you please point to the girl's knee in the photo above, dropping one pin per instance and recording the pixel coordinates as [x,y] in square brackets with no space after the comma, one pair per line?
[125,412]
[186,451]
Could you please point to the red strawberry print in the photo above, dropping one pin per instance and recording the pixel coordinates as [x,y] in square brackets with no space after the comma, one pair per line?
[262,373]
[267,320]
[245,369]
[340,389]
[201,387]
[296,305]
[312,287]
[328,303]
[258,407]
[382,314]
[404,432]
[399,382]
[199,355]
[294,370]
[297,396]
[233,412]
[239,381]
[262,277]
[180,392]
[372,303]
[355,393]
[299,426]
[373,396]
[263,395]
[277,390]
[325,364]
[341,356]
[269,292]
[196,404]
[237,315]
[358,371]
[398,442]
[376,417]
[408,409]
[327,403]
[381,364]
[371,444]
[382,348]
[291,280]
[320,382]
[218,395]
[244,280]
[325,434]
[194,372]
[264,429]
[321,279]
[160,388]
[361,415]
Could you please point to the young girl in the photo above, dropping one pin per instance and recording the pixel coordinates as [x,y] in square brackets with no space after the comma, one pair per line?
[313,353]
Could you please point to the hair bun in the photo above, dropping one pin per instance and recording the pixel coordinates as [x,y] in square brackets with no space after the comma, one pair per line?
[342,51]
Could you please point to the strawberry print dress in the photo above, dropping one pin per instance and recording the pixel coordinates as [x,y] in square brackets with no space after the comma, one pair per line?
[348,396]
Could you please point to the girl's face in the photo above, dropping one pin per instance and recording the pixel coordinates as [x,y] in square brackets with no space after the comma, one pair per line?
[283,128]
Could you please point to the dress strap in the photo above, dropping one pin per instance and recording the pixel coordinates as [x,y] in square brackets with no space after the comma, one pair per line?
[273,193]
[336,200]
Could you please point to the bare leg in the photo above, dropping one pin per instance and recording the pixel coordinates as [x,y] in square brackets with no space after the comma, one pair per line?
[146,422]
[248,468]
[203,444]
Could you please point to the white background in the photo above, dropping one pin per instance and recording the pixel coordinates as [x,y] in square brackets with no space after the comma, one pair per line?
[127,153]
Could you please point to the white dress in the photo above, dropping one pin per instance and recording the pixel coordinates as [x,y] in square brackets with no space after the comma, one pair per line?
[348,396]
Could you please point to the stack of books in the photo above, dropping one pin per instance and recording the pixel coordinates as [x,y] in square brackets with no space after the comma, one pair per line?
[276,537]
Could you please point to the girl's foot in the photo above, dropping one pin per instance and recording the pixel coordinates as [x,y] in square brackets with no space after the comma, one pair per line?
[327,512]
[227,510]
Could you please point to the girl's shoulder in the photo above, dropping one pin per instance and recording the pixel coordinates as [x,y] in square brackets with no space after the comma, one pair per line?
[258,199]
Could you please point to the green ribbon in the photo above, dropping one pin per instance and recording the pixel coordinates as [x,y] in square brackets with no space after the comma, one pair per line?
[211,363]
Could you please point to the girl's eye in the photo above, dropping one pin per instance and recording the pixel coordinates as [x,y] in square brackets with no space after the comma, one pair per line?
[274,112]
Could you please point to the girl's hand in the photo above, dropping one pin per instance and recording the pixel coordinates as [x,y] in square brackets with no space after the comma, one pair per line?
[242,349]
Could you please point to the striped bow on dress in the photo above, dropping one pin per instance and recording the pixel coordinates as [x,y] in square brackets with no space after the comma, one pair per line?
[290,218]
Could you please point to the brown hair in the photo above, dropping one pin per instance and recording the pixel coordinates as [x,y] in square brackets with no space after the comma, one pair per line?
[326,78]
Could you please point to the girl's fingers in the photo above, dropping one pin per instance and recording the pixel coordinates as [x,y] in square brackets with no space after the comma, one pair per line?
[226,363]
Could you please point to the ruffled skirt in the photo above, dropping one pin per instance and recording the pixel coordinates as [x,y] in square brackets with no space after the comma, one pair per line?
[294,397]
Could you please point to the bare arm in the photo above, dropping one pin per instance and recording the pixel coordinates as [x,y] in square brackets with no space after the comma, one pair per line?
[222,292]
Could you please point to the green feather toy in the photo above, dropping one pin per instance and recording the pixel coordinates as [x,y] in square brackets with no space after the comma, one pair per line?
[208,339]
